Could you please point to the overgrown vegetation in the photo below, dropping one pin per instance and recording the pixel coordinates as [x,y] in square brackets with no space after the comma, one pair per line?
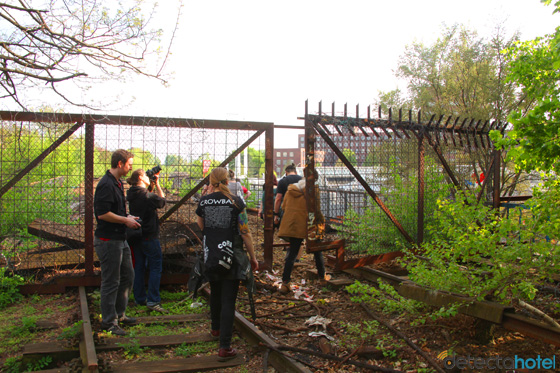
[9,291]
[483,254]
[371,231]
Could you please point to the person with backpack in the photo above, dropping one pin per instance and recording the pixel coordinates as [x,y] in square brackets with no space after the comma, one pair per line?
[223,220]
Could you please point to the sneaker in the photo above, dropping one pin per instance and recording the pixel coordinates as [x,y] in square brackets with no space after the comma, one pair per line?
[325,280]
[284,288]
[113,329]
[215,334]
[225,354]
[158,308]
[125,320]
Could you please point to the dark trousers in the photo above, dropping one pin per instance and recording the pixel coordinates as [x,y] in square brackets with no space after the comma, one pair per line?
[117,277]
[147,255]
[223,294]
[291,255]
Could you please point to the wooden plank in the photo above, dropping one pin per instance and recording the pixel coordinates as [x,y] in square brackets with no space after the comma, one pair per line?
[172,318]
[87,344]
[193,364]
[110,344]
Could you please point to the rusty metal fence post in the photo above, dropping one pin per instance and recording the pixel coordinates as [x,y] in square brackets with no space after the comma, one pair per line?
[421,186]
[88,194]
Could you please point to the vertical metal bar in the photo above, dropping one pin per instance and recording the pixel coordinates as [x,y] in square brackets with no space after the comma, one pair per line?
[421,186]
[497,168]
[311,196]
[88,194]
[269,198]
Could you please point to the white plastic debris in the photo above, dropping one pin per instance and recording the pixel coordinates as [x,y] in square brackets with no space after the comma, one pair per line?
[196,304]
[318,320]
[321,334]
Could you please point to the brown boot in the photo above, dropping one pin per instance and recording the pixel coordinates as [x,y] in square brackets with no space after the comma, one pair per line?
[285,288]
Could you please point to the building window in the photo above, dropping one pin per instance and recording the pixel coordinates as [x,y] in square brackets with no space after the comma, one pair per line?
[278,154]
[285,154]
[291,154]
[278,162]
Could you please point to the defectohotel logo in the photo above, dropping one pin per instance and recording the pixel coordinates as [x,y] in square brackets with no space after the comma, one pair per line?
[496,362]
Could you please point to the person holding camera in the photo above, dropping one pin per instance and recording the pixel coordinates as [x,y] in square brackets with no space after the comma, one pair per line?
[146,248]
[111,247]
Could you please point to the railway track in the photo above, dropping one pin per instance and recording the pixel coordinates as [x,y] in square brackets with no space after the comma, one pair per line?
[281,354]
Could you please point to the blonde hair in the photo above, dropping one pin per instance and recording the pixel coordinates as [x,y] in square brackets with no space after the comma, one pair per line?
[219,179]
[135,176]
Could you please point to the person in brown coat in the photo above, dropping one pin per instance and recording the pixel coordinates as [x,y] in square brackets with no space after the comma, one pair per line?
[293,228]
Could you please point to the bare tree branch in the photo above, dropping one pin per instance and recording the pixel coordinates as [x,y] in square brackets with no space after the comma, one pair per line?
[76,40]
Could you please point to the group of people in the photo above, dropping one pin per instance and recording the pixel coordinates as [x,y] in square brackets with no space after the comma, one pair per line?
[222,217]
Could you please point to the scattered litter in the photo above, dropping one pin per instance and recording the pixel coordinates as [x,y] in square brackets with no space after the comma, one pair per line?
[318,320]
[300,292]
[196,304]
[321,334]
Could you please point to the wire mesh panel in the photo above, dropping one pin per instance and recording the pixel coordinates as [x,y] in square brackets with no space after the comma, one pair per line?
[43,200]
[404,167]
[48,198]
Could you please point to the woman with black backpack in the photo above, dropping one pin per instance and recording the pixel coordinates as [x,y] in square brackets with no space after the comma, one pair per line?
[223,220]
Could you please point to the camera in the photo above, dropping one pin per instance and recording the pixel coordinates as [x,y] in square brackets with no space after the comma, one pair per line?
[152,172]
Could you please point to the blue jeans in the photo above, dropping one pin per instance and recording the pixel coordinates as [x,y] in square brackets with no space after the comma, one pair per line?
[117,276]
[291,255]
[223,294]
[147,253]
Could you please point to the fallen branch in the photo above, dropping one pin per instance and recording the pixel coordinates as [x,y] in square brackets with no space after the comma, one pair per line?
[539,313]
[432,362]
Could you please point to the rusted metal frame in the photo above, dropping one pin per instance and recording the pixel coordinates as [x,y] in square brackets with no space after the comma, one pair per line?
[310,195]
[421,188]
[39,158]
[269,199]
[453,127]
[445,128]
[324,246]
[88,354]
[88,195]
[132,121]
[370,125]
[497,166]
[361,262]
[391,126]
[483,186]
[203,181]
[481,134]
[364,184]
[437,128]
[444,163]
[324,126]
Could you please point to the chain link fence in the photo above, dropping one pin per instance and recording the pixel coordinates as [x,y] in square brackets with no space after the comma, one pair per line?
[50,168]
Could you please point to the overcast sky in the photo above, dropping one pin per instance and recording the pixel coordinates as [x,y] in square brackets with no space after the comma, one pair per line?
[260,60]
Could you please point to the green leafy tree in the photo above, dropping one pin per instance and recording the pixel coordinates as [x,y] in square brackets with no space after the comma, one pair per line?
[534,140]
[461,74]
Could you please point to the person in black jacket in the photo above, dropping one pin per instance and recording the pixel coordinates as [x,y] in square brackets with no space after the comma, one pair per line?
[147,249]
[222,217]
[117,274]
